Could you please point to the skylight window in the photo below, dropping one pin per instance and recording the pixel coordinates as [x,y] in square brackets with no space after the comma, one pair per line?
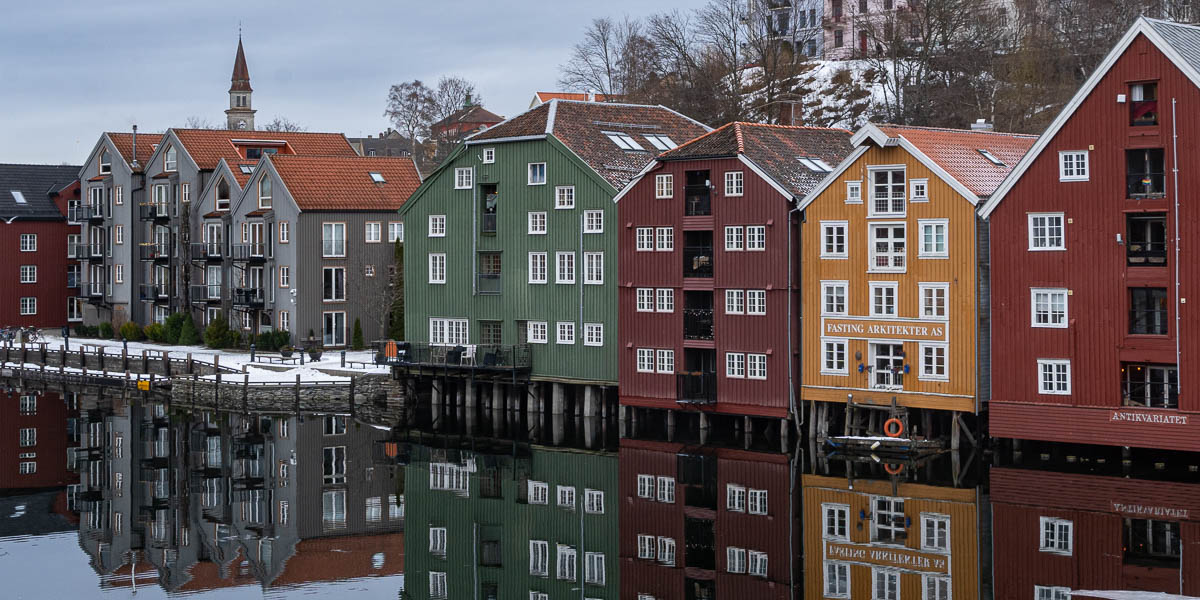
[991,157]
[661,142]
[815,165]
[377,177]
[18,196]
[623,141]
[247,169]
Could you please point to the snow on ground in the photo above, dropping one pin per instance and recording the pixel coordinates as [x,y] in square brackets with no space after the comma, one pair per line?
[260,375]
[1125,595]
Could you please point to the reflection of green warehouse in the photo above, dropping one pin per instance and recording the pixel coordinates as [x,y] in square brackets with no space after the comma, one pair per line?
[538,524]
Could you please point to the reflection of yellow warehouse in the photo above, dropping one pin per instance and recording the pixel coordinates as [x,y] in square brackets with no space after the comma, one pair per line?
[876,539]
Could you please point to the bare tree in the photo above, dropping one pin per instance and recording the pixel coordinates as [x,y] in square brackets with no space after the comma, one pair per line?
[452,94]
[198,122]
[720,27]
[410,106]
[283,124]
[594,60]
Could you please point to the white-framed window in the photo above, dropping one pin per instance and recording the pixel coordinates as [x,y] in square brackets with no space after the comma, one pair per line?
[887,247]
[566,496]
[933,362]
[666,361]
[565,273]
[666,490]
[28,242]
[463,178]
[835,520]
[646,546]
[918,190]
[593,501]
[539,558]
[264,192]
[105,162]
[756,366]
[935,532]
[756,302]
[733,238]
[645,300]
[837,580]
[593,334]
[285,276]
[119,194]
[735,560]
[665,300]
[756,238]
[566,563]
[374,232]
[489,156]
[28,273]
[645,486]
[285,320]
[593,568]
[735,498]
[885,584]
[29,467]
[1048,307]
[1046,232]
[437,268]
[169,159]
[437,584]
[1051,592]
[735,302]
[756,501]
[538,492]
[887,191]
[1057,535]
[537,176]
[854,192]
[333,239]
[833,358]
[735,365]
[935,587]
[733,183]
[564,197]
[645,360]
[593,268]
[537,267]
[448,331]
[665,239]
[118,234]
[537,223]
[437,225]
[645,239]
[934,298]
[119,273]
[833,297]
[664,186]
[1073,165]
[758,563]
[395,231]
[437,541]
[285,232]
[1054,377]
[666,551]
[933,238]
[28,305]
[536,331]
[593,221]
[883,298]
[566,332]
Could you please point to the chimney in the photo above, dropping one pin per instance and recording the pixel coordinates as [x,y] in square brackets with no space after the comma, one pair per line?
[981,125]
[135,161]
[591,96]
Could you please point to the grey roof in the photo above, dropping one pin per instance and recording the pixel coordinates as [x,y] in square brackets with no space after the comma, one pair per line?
[36,183]
[1185,39]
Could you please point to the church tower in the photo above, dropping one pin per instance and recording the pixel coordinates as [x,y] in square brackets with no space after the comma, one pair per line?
[240,115]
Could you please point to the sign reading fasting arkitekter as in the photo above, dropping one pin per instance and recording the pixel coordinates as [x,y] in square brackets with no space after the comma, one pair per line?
[875,329]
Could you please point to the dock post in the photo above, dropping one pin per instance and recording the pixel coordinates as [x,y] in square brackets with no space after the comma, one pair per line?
[703,428]
[955,431]
[558,399]
[589,401]
[245,392]
[296,394]
[352,411]
[670,425]
[469,393]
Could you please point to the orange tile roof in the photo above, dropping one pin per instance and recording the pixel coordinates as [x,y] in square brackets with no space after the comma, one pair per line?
[236,168]
[338,183]
[146,143]
[208,146]
[957,151]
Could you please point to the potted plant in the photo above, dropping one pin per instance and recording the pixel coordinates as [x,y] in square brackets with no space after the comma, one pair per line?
[285,350]
[314,353]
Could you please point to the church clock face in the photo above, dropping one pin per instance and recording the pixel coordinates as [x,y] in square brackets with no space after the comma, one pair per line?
[241,124]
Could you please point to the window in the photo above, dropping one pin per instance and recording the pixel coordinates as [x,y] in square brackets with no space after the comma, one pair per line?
[933,362]
[666,361]
[593,501]
[733,238]
[593,268]
[449,332]
[645,360]
[374,509]
[837,580]
[735,365]
[666,300]
[646,547]
[537,332]
[564,197]
[374,233]
[489,156]
[30,467]
[333,284]
[437,225]
[666,490]
[1043,592]
[833,360]
[1054,377]
[883,298]
[1148,311]
[1048,307]
[645,239]
[836,521]
[623,140]
[335,461]
[105,162]
[935,532]
[853,192]
[437,584]
[887,248]
[437,541]
[285,320]
[285,276]
[566,332]
[735,560]
[539,557]
[537,267]
[885,584]
[463,178]
[838,35]
[735,498]
[887,192]
[169,159]
[566,563]
[645,486]
[28,242]
[118,234]
[285,232]
[666,551]
[935,587]
[645,300]
[593,571]
[333,240]
[28,273]
[437,268]
[735,302]
[833,294]
[537,223]
[756,366]
[933,239]
[28,437]
[119,273]
[1143,104]
[1046,231]
[666,239]
[919,190]
[537,176]
[660,142]
[566,267]
[539,492]
[758,563]
[756,237]
[264,192]
[756,302]
[28,405]
[593,334]
[733,183]
[395,232]
[1073,165]
[757,500]
[566,497]
[664,186]
[1057,535]
[593,221]
[28,305]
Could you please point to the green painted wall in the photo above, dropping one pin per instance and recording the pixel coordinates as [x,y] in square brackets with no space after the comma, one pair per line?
[518,300]
[468,518]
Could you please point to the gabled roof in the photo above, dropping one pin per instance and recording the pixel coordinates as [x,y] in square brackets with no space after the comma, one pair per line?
[343,183]
[471,114]
[580,126]
[207,146]
[36,184]
[774,149]
[1178,42]
[541,97]
[146,142]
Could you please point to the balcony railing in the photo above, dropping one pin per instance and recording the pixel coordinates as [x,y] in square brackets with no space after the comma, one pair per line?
[89,251]
[489,223]
[471,356]
[207,251]
[698,205]
[84,212]
[248,297]
[154,251]
[698,261]
[249,252]
[205,292]
[1141,185]
[152,211]
[94,289]
[151,292]
[1146,254]
[698,323]
[696,388]
[489,283]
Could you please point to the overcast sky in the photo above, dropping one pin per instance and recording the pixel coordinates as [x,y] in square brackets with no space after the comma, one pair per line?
[70,70]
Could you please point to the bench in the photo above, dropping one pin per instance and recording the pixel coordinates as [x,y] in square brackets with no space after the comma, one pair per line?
[359,364]
[277,359]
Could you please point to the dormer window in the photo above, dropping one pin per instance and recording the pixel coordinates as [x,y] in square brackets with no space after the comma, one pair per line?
[1143,104]
[815,165]
[264,192]
[253,153]
[169,162]
[623,141]
[223,195]
[377,177]
[105,162]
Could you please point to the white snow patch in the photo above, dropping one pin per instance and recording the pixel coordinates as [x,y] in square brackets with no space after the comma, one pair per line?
[1128,595]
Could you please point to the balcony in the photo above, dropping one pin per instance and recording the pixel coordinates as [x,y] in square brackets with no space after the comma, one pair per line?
[89,252]
[85,212]
[157,252]
[698,323]
[248,297]
[92,290]
[205,293]
[698,261]
[696,387]
[1145,173]
[698,202]
[489,283]
[153,211]
[254,253]
[154,292]
[1150,386]
[475,357]
[1147,240]
[208,252]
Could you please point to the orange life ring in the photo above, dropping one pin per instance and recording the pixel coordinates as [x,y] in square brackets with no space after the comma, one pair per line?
[887,427]
[898,470]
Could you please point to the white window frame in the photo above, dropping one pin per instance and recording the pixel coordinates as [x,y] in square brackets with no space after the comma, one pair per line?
[664,300]
[464,178]
[564,268]
[565,496]
[593,221]
[664,239]
[940,584]
[735,365]
[593,568]
[334,251]
[880,285]
[920,185]
[1053,543]
[854,192]
[1062,223]
[871,254]
[593,501]
[756,302]
[888,576]
[373,233]
[593,334]
[645,360]
[735,238]
[666,551]
[529,174]
[664,186]
[564,196]
[285,233]
[666,490]
[1075,155]
[934,520]
[565,332]
[826,368]
[593,268]
[437,225]
[1050,293]
[756,502]
[735,498]
[647,545]
[837,574]
[826,288]
[644,299]
[1051,592]
[644,237]
[28,242]
[538,268]
[735,184]
[1050,390]
[565,567]
[836,511]
[285,276]
[735,559]
[539,558]
[489,156]
[922,250]
[756,563]
[437,268]
[537,492]
[871,171]
[759,241]
[395,232]
[924,301]
[437,541]
[536,222]
[923,373]
[735,302]
[645,486]
[31,271]
[756,366]
[664,362]
[28,306]
[537,332]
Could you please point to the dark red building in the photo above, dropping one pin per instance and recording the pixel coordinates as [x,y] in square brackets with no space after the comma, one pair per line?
[709,291]
[469,119]
[699,522]
[34,235]
[1054,533]
[1090,318]
[37,431]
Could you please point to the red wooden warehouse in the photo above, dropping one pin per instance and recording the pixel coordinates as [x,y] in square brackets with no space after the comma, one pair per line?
[1091,333]
[708,298]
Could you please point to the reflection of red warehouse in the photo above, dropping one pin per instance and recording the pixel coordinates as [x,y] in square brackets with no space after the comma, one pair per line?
[698,521]
[1057,532]
[35,440]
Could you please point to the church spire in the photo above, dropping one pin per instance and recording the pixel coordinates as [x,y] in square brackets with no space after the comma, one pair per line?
[240,115]
[241,74]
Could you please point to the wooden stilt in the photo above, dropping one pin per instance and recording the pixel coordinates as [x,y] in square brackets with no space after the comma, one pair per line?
[955,432]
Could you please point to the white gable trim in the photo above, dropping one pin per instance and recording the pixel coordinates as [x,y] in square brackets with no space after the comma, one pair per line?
[833,176]
[1142,26]
[634,181]
[553,112]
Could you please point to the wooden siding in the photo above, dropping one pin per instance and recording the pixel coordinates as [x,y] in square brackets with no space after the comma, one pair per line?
[51,262]
[767,270]
[518,300]
[1094,267]
[53,442]
[959,392]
